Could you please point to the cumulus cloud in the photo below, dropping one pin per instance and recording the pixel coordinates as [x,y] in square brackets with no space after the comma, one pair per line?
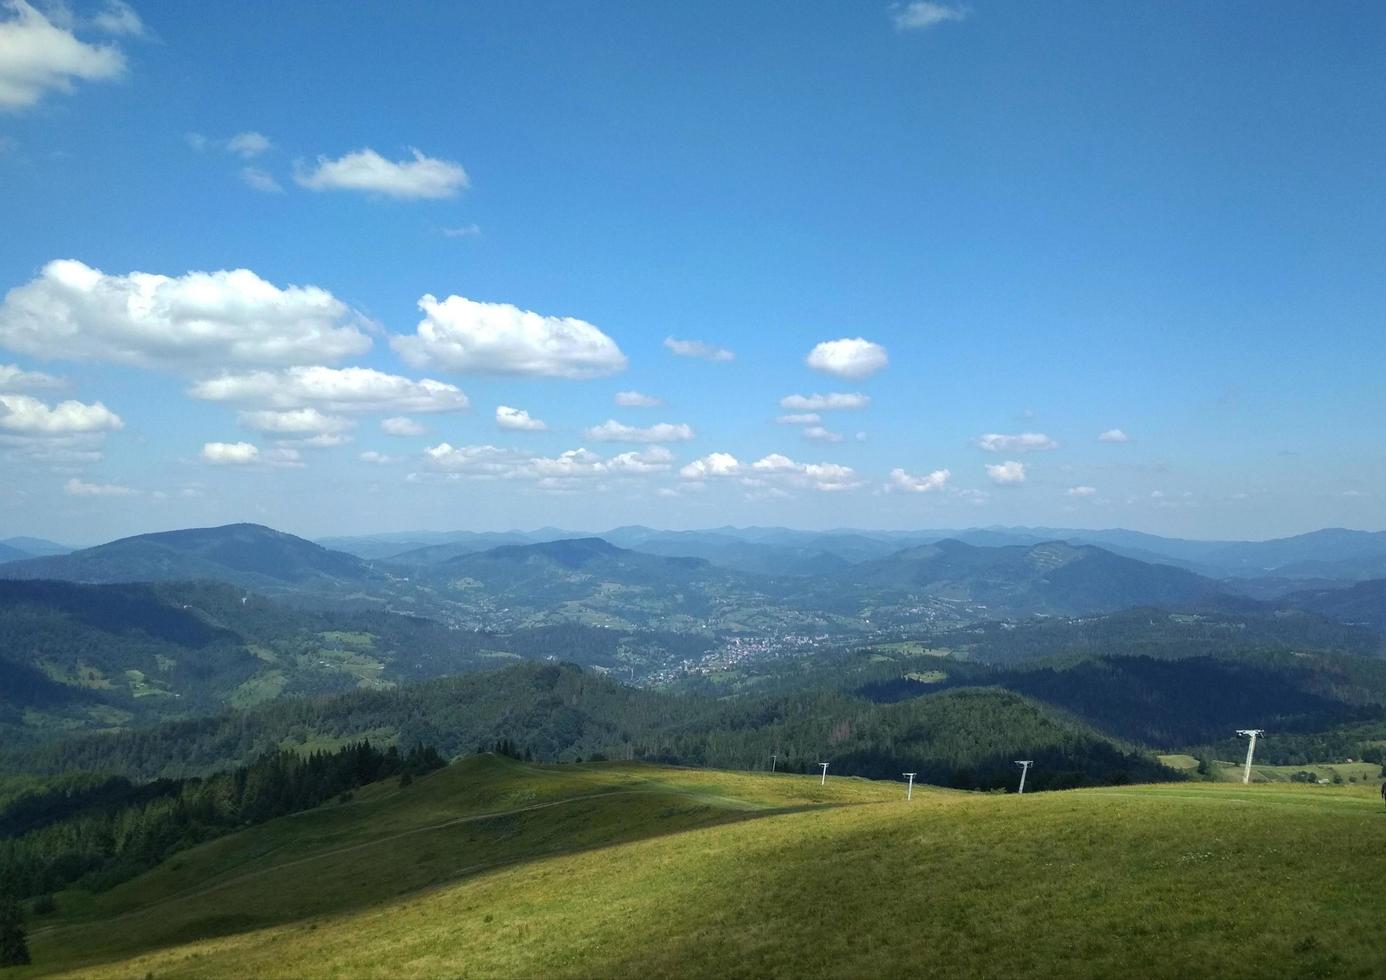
[352,389]
[994,442]
[366,171]
[295,421]
[820,434]
[14,378]
[1114,435]
[230,453]
[401,425]
[832,402]
[248,145]
[518,418]
[802,418]
[637,399]
[78,488]
[1081,491]
[613,431]
[260,180]
[923,14]
[462,231]
[379,459]
[711,465]
[26,415]
[1008,474]
[853,358]
[186,322]
[460,334]
[550,472]
[698,349]
[771,470]
[37,56]
[902,480]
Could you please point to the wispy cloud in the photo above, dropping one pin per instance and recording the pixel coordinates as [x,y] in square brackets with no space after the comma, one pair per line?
[923,14]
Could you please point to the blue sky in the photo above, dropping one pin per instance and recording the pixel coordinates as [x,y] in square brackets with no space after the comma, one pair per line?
[1045,220]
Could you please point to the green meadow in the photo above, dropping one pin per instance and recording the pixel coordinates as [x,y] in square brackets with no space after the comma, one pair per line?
[496,868]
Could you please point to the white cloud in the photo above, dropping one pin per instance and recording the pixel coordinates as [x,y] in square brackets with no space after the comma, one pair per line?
[365,170]
[613,431]
[460,334]
[401,425]
[379,459]
[462,231]
[197,141]
[923,14]
[119,19]
[294,421]
[37,56]
[1081,491]
[248,145]
[1007,474]
[260,180]
[192,321]
[832,402]
[803,418]
[518,418]
[230,453]
[713,464]
[77,488]
[698,349]
[323,440]
[352,389]
[901,480]
[851,357]
[14,378]
[1023,442]
[636,399]
[775,468]
[1114,435]
[550,472]
[820,434]
[26,415]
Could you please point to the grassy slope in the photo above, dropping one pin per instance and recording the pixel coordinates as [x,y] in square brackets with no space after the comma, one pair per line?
[636,870]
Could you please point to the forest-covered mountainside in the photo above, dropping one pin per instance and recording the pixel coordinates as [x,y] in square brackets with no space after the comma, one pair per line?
[242,554]
[558,712]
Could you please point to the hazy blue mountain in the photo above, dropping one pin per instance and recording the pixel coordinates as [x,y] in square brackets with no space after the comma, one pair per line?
[243,554]
[1334,546]
[1054,577]
[11,553]
[1363,603]
[36,547]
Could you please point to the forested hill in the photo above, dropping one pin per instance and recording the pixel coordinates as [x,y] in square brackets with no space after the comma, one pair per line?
[242,554]
[559,712]
[96,657]
[1053,577]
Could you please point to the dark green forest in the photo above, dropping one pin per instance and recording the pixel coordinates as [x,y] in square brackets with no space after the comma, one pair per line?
[96,831]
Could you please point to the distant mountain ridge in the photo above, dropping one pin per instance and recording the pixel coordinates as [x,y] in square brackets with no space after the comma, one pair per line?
[1051,577]
[243,554]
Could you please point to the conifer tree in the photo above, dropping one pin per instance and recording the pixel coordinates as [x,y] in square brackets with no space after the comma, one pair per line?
[14,944]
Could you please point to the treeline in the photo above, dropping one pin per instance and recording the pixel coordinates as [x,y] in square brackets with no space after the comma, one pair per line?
[1163,634]
[559,712]
[96,832]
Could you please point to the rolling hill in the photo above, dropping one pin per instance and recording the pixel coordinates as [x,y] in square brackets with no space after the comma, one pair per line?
[243,554]
[496,868]
[1054,578]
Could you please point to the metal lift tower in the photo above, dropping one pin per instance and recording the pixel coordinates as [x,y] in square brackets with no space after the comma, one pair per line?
[1253,734]
[1024,765]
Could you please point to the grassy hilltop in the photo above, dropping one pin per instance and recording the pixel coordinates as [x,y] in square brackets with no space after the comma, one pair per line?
[496,868]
